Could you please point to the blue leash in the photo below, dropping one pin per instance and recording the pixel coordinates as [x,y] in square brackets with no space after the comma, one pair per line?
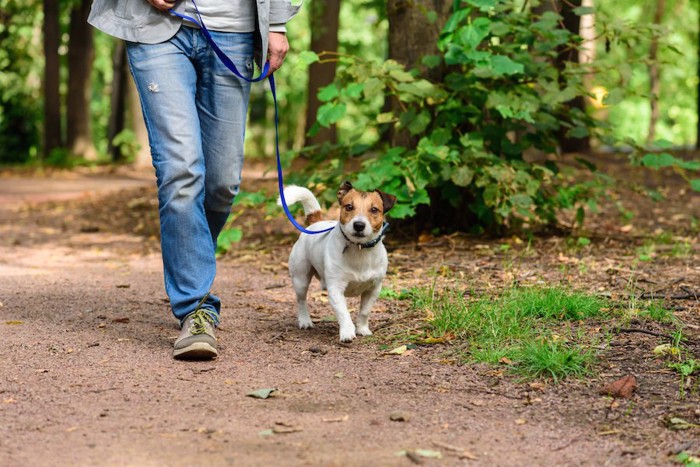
[266,68]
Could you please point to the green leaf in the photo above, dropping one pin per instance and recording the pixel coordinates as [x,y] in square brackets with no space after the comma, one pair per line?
[483,5]
[695,184]
[328,93]
[462,176]
[385,117]
[307,57]
[503,65]
[330,113]
[373,87]
[584,10]
[353,90]
[472,35]
[420,123]
[401,76]
[658,161]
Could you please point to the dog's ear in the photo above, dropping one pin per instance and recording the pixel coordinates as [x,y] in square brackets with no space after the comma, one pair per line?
[343,190]
[387,200]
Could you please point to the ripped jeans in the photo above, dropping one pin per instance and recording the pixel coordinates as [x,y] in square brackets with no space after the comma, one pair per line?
[195,112]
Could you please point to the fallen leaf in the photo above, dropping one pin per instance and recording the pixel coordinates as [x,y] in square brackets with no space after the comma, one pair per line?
[506,361]
[14,323]
[623,387]
[626,228]
[279,430]
[538,386]
[676,423]
[416,454]
[123,286]
[344,418]
[400,416]
[121,320]
[520,421]
[399,350]
[339,375]
[434,340]
[9,401]
[266,433]
[666,349]
[459,451]
[262,393]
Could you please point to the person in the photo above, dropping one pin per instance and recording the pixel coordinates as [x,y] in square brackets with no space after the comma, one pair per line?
[195,113]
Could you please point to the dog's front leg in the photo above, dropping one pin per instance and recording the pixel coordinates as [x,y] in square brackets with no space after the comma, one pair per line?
[366,303]
[337,300]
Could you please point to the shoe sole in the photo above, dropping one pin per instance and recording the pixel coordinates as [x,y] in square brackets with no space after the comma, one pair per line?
[196,351]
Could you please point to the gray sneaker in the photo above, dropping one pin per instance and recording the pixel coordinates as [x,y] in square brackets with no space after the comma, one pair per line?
[196,340]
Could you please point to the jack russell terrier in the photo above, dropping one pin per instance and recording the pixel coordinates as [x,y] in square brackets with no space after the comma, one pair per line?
[349,260]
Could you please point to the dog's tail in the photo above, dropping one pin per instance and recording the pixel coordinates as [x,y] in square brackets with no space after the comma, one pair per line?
[294,194]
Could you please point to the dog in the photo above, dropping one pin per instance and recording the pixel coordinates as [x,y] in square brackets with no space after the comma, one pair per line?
[350,260]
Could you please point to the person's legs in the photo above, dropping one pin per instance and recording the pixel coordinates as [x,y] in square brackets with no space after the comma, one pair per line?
[222,103]
[166,78]
[195,112]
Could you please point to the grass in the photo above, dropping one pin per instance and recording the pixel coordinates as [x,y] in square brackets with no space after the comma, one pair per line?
[529,329]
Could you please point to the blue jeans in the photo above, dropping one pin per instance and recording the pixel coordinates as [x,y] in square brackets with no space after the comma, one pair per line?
[195,112]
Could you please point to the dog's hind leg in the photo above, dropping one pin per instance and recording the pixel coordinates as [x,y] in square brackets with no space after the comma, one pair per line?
[366,302]
[301,282]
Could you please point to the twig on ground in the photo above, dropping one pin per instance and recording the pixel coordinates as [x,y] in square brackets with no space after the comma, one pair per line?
[643,331]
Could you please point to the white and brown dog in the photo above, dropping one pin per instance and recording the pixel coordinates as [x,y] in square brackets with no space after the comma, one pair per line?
[349,260]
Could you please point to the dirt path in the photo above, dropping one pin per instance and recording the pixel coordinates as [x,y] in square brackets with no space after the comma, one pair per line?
[87,376]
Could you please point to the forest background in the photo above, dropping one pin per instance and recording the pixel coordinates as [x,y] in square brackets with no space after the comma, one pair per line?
[475,102]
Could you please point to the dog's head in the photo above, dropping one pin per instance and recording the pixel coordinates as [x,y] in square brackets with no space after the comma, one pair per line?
[362,212]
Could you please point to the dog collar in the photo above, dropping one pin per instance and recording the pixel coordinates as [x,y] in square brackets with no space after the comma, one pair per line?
[370,244]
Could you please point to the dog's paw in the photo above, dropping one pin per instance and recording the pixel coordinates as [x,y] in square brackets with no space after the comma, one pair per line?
[347,335]
[363,331]
[306,323]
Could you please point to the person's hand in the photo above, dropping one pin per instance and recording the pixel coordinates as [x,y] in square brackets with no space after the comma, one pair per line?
[162,4]
[277,48]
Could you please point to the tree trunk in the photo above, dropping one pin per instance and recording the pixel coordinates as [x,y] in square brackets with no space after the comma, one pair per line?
[117,100]
[324,22]
[52,97]
[80,59]
[572,22]
[412,36]
[654,73]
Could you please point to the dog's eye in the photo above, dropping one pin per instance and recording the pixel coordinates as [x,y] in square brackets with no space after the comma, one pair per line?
[349,207]
[374,210]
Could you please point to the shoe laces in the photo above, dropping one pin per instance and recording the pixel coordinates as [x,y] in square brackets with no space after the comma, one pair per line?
[200,318]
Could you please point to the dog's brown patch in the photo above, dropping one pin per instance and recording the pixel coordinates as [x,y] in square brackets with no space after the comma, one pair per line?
[314,217]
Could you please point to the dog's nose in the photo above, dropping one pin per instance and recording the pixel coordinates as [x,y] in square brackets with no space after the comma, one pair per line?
[358,226]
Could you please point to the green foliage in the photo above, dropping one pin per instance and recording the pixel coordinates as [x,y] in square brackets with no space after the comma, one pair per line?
[503,98]
[127,143]
[623,47]
[20,80]
[520,328]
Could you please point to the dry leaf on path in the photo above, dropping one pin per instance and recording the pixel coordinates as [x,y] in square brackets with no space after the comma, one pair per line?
[344,418]
[458,450]
[623,387]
